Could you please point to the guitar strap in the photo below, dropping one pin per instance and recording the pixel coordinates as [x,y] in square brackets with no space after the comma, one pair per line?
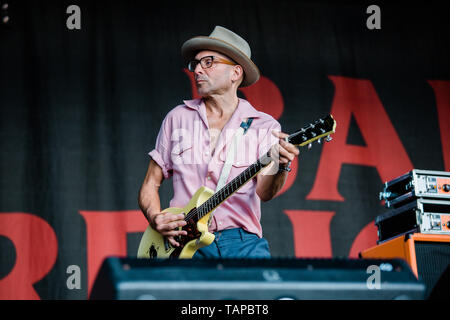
[231,153]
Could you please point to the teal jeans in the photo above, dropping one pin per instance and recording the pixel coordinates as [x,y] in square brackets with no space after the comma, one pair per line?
[235,243]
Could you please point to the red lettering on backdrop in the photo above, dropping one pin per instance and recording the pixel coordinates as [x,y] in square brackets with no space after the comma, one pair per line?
[383,149]
[311,232]
[442,94]
[265,96]
[194,92]
[36,251]
[367,238]
[106,236]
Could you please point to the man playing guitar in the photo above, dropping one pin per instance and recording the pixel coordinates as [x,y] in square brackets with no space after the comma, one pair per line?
[193,143]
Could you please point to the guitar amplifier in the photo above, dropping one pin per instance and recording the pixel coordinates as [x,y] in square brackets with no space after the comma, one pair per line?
[425,216]
[255,279]
[416,184]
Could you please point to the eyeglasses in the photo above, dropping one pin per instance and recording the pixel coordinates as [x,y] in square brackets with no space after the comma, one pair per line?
[207,62]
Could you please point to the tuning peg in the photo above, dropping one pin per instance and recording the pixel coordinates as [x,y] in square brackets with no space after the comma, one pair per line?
[328,138]
[310,146]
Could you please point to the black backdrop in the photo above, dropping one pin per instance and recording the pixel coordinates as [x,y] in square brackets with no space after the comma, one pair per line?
[80,110]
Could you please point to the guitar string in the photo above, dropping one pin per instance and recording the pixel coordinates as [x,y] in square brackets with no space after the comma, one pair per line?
[225,192]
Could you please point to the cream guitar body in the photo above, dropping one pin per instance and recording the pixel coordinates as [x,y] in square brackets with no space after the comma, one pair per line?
[154,245]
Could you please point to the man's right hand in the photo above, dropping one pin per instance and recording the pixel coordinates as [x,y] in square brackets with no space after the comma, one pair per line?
[163,222]
[167,225]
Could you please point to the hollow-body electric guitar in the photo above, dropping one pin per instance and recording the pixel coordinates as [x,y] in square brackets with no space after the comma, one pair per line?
[204,201]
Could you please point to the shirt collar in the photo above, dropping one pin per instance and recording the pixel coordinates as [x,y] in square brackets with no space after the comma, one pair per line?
[245,109]
[193,104]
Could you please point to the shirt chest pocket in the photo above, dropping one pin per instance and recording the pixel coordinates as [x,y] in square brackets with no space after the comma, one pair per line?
[182,154]
[238,167]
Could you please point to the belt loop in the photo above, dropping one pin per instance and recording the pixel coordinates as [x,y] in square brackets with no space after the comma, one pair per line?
[241,233]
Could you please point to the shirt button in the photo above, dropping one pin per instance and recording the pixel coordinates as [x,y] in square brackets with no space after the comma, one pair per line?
[207,153]
[220,223]
[208,177]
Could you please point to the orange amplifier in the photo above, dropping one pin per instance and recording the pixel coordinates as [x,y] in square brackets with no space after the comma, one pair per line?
[428,255]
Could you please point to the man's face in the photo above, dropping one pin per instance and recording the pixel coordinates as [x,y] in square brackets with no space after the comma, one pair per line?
[214,80]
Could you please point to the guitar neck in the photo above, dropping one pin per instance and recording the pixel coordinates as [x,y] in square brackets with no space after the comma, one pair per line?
[314,132]
[231,187]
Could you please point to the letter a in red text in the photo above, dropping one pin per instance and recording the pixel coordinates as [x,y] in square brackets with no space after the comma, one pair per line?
[383,149]
[442,93]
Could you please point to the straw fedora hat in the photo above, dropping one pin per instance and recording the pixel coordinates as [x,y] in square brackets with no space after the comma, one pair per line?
[228,43]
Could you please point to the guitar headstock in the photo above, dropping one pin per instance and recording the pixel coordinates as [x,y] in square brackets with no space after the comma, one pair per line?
[321,128]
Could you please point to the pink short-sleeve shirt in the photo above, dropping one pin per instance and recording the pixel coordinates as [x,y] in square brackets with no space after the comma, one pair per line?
[182,151]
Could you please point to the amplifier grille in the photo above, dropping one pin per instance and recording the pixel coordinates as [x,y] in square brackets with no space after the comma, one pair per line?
[432,259]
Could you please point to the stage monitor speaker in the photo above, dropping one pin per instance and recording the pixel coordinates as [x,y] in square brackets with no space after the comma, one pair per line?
[428,255]
[255,279]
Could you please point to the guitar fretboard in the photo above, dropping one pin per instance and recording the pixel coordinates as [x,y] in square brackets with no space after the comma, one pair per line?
[228,189]
[221,195]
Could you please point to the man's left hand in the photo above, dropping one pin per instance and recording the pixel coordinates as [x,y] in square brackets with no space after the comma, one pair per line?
[286,151]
